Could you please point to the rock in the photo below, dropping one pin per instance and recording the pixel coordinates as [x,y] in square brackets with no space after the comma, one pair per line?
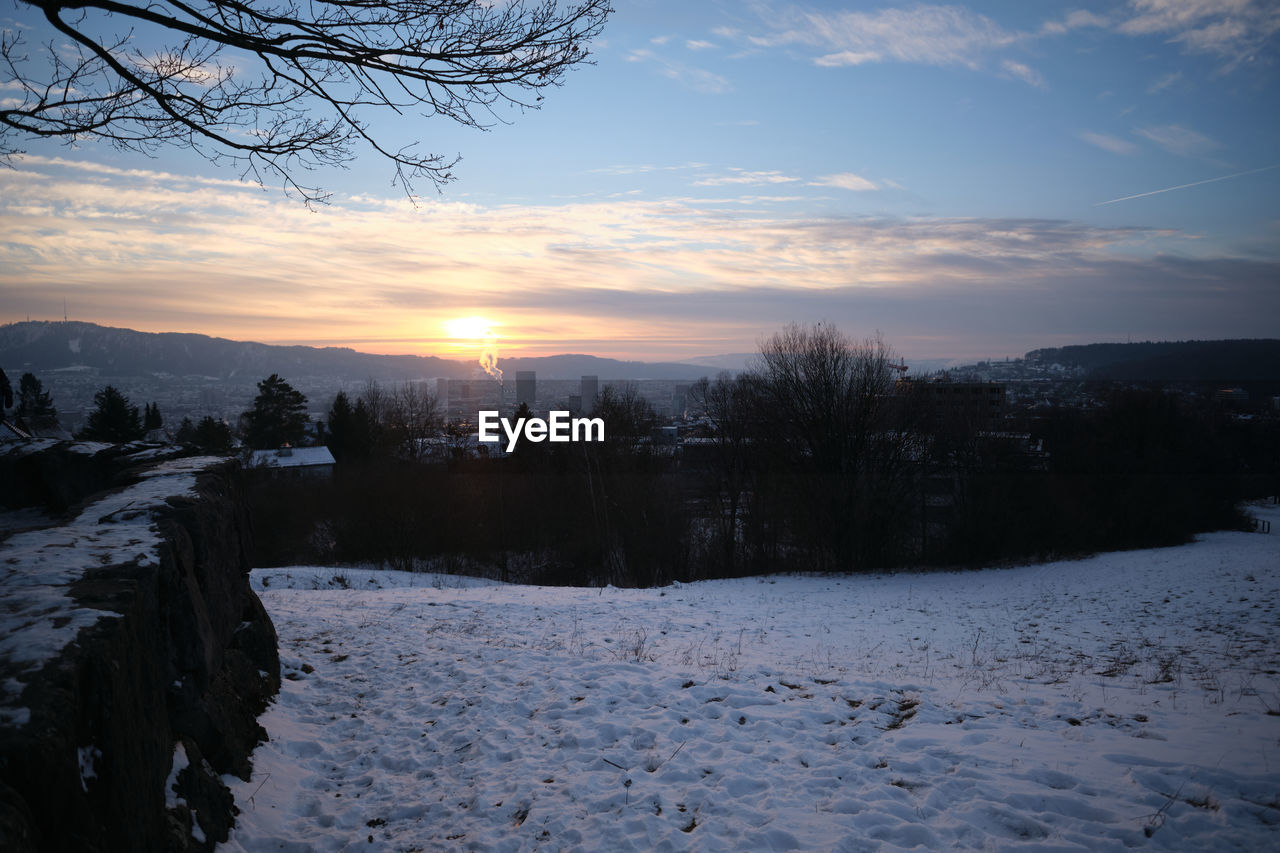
[181,651]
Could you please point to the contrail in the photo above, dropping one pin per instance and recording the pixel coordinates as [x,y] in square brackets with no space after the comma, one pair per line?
[1192,184]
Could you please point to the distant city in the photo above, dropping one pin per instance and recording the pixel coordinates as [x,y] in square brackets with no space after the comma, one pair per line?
[193,376]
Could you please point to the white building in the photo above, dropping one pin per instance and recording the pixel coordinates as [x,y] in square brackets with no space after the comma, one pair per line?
[297,461]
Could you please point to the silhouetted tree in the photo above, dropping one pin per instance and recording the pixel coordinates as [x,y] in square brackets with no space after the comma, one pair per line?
[210,435]
[151,417]
[1147,469]
[35,405]
[339,426]
[6,394]
[214,435]
[640,526]
[527,455]
[411,416]
[837,443]
[282,86]
[732,405]
[375,401]
[278,416]
[350,429]
[628,417]
[112,419]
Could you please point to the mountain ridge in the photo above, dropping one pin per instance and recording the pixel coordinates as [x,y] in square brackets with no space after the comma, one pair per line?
[1240,359]
[43,345]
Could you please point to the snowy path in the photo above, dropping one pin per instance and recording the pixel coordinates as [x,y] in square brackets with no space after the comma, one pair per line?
[1109,703]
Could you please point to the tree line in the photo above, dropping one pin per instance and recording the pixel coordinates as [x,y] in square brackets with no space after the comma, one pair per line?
[819,458]
[112,419]
[278,416]
[33,406]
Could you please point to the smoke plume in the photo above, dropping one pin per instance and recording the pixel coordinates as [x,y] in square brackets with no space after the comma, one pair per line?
[489,358]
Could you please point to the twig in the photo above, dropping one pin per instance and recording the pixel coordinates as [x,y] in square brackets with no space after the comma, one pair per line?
[256,790]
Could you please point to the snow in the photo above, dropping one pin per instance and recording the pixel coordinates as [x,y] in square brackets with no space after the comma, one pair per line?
[177,764]
[295,457]
[37,566]
[87,757]
[1127,700]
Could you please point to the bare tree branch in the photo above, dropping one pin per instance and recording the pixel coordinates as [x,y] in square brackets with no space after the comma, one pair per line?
[314,67]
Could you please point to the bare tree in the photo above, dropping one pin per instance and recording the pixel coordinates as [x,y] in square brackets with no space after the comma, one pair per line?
[732,405]
[413,416]
[377,401]
[281,86]
[839,440]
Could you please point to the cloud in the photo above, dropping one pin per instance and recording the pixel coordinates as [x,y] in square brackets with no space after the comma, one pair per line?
[650,278]
[845,181]
[1235,30]
[941,36]
[928,35]
[102,169]
[742,176]
[1164,82]
[698,79]
[644,168]
[698,44]
[1078,19]
[1025,73]
[1107,142]
[846,58]
[1179,140]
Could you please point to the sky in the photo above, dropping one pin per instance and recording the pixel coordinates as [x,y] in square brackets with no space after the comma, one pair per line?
[969,181]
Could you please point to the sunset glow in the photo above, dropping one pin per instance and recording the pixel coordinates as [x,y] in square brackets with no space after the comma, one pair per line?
[472,328]
[764,171]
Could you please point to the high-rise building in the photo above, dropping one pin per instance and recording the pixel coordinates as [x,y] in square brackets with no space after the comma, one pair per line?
[590,392]
[680,399]
[527,387]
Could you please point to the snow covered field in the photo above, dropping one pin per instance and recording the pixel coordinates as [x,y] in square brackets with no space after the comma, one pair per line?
[1128,700]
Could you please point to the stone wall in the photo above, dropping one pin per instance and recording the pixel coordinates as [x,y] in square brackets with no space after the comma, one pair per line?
[136,658]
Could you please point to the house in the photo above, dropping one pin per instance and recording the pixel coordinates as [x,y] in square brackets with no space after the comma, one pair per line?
[294,461]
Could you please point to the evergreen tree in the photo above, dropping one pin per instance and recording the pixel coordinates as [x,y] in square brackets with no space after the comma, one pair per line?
[364,431]
[112,418]
[278,416]
[151,419]
[213,435]
[339,425]
[351,431]
[210,435]
[35,405]
[6,394]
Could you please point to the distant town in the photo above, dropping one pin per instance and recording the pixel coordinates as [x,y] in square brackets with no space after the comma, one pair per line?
[76,360]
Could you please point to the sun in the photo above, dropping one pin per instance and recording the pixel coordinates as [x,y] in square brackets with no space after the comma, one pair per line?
[468,327]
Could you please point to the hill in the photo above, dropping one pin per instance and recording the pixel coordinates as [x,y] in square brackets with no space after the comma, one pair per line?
[1195,361]
[48,346]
